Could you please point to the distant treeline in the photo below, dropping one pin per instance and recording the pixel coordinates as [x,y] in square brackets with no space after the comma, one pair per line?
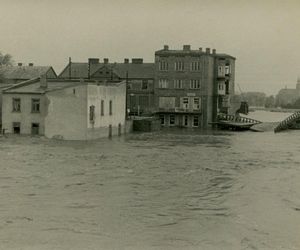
[256,99]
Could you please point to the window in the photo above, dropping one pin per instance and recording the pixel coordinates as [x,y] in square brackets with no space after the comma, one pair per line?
[221,71]
[163,83]
[196,103]
[16,105]
[35,128]
[194,84]
[195,66]
[172,120]
[145,84]
[35,105]
[185,120]
[179,66]
[185,102]
[196,121]
[162,119]
[102,107]
[110,107]
[178,84]
[92,113]
[163,66]
[227,69]
[16,127]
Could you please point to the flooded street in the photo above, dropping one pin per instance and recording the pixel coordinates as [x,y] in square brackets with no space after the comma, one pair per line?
[173,189]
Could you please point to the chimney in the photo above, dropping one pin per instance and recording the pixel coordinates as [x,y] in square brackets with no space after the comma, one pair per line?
[214,51]
[200,49]
[92,60]
[30,64]
[207,51]
[19,64]
[166,47]
[137,60]
[106,60]
[43,81]
[186,47]
[126,60]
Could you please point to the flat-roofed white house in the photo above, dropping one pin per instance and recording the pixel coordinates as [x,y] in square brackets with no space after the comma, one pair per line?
[66,109]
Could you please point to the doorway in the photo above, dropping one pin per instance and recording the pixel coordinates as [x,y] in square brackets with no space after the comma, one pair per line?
[35,127]
[16,127]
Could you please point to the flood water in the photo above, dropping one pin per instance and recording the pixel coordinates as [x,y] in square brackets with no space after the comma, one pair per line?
[173,189]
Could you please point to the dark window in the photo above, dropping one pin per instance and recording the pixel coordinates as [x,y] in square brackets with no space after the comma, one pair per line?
[172,119]
[185,120]
[110,107]
[162,119]
[35,105]
[74,91]
[92,113]
[16,127]
[145,84]
[102,107]
[16,104]
[196,121]
[35,128]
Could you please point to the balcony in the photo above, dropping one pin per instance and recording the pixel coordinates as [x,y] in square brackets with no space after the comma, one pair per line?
[180,110]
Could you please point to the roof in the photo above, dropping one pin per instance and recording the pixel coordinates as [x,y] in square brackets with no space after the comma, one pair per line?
[33,86]
[135,70]
[24,72]
[190,52]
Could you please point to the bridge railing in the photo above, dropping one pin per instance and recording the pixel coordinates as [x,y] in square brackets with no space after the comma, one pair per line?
[286,123]
[237,118]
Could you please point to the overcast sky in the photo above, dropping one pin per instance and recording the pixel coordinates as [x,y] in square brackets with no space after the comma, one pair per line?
[263,35]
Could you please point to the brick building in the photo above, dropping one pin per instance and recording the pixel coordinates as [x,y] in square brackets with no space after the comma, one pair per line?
[138,75]
[192,86]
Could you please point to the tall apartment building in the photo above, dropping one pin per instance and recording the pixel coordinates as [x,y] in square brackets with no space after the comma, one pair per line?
[192,86]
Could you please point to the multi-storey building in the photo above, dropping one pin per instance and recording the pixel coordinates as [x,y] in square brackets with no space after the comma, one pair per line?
[138,75]
[192,86]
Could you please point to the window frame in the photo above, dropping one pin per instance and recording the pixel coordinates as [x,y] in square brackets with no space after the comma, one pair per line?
[35,105]
[14,99]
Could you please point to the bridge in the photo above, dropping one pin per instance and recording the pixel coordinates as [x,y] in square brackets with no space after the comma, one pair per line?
[291,122]
[234,122]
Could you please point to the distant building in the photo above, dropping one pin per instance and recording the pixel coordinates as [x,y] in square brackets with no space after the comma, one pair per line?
[288,96]
[68,109]
[138,75]
[192,86]
[20,73]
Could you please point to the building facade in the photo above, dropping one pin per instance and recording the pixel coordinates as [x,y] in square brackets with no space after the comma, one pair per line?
[138,75]
[192,86]
[72,110]
[288,96]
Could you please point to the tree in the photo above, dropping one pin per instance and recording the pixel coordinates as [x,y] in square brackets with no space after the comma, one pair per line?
[270,102]
[6,59]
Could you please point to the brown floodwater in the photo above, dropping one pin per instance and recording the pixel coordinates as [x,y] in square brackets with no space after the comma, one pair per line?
[173,189]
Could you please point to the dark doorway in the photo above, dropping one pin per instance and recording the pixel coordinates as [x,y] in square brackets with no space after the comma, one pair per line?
[35,127]
[16,127]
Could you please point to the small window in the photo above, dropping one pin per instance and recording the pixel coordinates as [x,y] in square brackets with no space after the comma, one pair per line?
[185,120]
[35,127]
[163,65]
[35,105]
[172,120]
[110,107]
[102,107]
[92,113]
[74,91]
[179,65]
[196,121]
[145,84]
[163,83]
[178,84]
[196,103]
[162,119]
[194,84]
[16,127]
[16,105]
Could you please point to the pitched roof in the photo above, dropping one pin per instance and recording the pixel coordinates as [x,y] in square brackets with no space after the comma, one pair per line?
[33,86]
[135,70]
[24,72]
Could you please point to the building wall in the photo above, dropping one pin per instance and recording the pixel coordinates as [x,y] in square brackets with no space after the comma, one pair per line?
[66,117]
[25,116]
[99,126]
[205,75]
